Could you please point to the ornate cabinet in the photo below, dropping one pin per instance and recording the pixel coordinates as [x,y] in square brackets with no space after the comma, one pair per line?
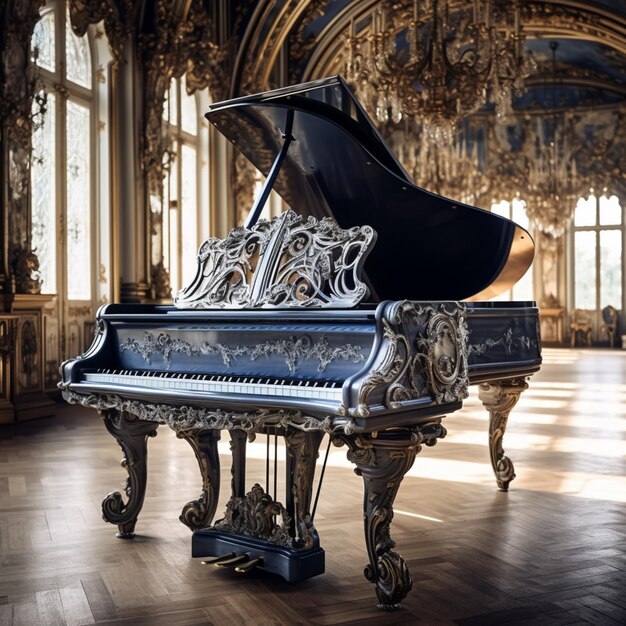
[22,358]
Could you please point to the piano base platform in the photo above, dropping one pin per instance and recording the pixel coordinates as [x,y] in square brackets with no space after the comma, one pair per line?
[293,566]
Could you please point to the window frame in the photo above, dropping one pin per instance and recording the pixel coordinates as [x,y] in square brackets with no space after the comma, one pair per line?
[56,82]
[200,144]
[597,228]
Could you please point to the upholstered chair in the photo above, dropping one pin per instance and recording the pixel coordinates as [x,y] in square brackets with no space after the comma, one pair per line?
[580,327]
[610,324]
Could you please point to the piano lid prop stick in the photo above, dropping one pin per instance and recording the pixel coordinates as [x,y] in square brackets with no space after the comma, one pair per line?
[256,210]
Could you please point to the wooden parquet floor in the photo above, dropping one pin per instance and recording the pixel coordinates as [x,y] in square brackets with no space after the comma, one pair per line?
[551,551]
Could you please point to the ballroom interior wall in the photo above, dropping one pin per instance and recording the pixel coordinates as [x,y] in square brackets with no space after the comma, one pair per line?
[150,63]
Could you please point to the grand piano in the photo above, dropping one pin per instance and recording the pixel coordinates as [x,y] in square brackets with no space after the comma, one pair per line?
[358,314]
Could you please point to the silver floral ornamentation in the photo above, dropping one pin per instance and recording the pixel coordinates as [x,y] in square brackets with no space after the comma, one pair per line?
[286,263]
[508,341]
[164,345]
[294,349]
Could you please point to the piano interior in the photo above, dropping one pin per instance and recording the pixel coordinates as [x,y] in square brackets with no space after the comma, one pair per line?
[349,320]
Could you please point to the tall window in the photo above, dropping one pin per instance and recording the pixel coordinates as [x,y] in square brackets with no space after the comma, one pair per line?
[516,211]
[70,212]
[61,168]
[184,188]
[597,252]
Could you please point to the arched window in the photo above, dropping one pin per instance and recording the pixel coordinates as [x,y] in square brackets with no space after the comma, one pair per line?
[69,190]
[185,188]
[62,157]
[516,211]
[597,258]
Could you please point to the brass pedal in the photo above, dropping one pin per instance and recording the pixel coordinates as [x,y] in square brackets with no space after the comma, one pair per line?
[236,560]
[217,559]
[249,566]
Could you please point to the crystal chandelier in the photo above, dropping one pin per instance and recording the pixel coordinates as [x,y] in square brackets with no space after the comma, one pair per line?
[553,184]
[453,170]
[436,61]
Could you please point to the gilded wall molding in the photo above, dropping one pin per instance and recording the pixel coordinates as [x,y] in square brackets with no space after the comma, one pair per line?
[118,17]
[266,33]
[301,43]
[172,45]
[554,19]
[243,177]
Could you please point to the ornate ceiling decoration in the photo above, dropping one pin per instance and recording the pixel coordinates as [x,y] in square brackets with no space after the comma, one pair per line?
[574,135]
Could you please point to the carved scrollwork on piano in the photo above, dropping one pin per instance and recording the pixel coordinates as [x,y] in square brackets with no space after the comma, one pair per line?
[188,417]
[499,398]
[255,516]
[382,462]
[199,513]
[441,351]
[425,355]
[286,263]
[132,435]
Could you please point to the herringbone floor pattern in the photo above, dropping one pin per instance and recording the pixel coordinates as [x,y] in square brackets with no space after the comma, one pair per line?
[551,551]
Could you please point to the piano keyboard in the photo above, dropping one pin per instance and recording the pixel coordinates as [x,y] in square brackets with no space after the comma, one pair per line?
[249,385]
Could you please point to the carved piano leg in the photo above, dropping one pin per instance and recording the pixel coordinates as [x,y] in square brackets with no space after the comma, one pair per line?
[302,451]
[132,435]
[499,398]
[199,513]
[383,461]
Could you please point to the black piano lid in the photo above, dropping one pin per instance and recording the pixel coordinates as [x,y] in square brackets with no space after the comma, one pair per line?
[428,247]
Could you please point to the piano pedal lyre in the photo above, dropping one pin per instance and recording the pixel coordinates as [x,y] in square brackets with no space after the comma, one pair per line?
[218,559]
[250,565]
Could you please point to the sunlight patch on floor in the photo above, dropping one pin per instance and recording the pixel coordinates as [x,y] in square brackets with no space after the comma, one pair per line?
[424,517]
